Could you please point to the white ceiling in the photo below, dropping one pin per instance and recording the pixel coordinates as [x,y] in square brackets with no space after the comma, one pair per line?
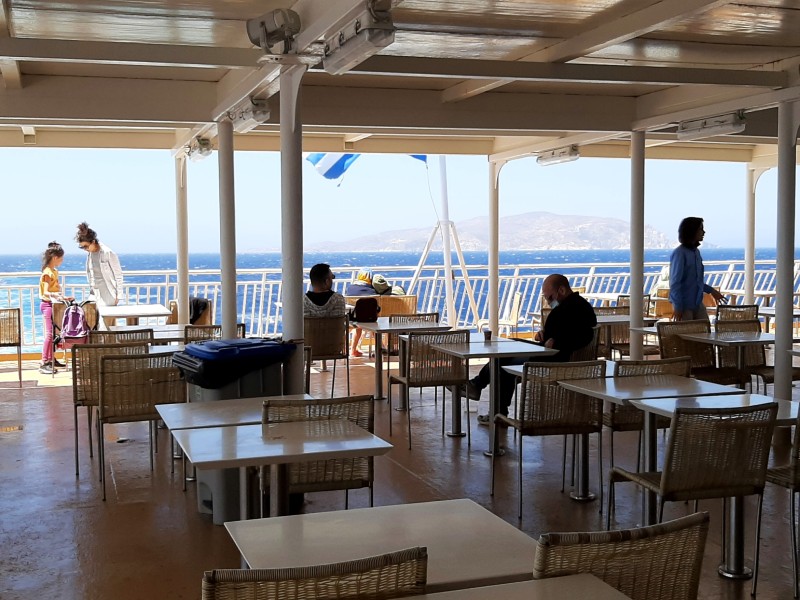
[497,77]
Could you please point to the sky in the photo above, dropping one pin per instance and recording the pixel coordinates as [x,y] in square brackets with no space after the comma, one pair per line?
[128,197]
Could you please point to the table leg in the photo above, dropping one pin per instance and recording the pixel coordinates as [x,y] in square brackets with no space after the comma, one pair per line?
[455,413]
[581,492]
[278,490]
[650,504]
[378,366]
[733,565]
[494,383]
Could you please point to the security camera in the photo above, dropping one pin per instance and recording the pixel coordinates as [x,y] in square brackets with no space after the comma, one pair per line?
[279,25]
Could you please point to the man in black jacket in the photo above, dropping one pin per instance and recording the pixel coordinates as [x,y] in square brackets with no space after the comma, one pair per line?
[568,328]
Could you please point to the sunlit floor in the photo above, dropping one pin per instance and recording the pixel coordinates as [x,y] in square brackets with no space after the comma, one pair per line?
[60,540]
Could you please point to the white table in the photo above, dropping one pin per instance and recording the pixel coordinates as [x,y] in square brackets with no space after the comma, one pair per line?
[768,312]
[734,339]
[621,390]
[517,370]
[173,332]
[223,413]
[605,298]
[570,586]
[130,311]
[733,565]
[381,326]
[468,546]
[276,445]
[494,351]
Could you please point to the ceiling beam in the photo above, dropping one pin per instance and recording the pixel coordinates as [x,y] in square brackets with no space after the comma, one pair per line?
[609,33]
[715,106]
[509,71]
[9,69]
[130,102]
[577,139]
[127,53]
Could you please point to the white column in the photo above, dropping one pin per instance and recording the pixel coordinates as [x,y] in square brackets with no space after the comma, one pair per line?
[292,222]
[182,235]
[788,122]
[227,228]
[753,175]
[637,240]
[494,243]
[444,230]
[750,236]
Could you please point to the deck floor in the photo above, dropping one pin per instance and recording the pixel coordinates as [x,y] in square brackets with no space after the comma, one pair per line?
[59,539]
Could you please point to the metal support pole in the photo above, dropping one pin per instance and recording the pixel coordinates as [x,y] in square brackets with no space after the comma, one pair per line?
[788,122]
[182,226]
[637,241]
[494,243]
[227,227]
[292,222]
[444,229]
[750,236]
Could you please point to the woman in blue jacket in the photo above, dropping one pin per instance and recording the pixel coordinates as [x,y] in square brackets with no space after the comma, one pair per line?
[686,285]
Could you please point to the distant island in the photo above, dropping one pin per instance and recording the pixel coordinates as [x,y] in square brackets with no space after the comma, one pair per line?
[528,231]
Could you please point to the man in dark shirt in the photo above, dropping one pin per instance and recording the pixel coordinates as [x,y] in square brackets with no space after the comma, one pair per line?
[568,328]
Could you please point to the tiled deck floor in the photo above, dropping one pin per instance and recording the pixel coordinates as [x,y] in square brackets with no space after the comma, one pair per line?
[59,540]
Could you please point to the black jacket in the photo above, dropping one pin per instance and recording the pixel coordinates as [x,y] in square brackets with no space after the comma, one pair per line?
[570,325]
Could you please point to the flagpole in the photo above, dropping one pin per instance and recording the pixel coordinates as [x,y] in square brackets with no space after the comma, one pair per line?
[444,228]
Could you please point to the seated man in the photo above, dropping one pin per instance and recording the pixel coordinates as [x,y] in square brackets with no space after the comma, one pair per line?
[568,328]
[321,300]
[362,286]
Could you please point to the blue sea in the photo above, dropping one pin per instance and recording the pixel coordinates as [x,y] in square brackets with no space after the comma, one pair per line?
[10,263]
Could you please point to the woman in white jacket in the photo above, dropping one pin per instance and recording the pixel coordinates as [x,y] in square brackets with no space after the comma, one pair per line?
[102,267]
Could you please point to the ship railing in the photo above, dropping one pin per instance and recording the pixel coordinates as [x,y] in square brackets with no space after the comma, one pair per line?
[259,290]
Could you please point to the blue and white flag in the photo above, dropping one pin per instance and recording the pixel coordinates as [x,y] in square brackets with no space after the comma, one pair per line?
[331,165]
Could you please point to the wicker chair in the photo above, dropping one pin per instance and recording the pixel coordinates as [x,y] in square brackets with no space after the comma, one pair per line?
[11,334]
[590,350]
[546,408]
[397,305]
[629,418]
[206,316]
[621,334]
[510,321]
[335,474]
[788,477]
[130,388]
[86,381]
[392,345]
[625,300]
[196,333]
[608,333]
[704,365]
[328,339]
[394,575]
[737,312]
[711,453]
[659,562]
[662,307]
[755,357]
[121,337]
[423,367]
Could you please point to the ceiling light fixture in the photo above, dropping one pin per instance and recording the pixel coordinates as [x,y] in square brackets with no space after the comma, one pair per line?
[711,126]
[559,155]
[250,115]
[274,27]
[367,34]
[198,148]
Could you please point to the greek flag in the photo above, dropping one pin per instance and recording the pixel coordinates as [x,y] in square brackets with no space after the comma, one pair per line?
[332,165]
